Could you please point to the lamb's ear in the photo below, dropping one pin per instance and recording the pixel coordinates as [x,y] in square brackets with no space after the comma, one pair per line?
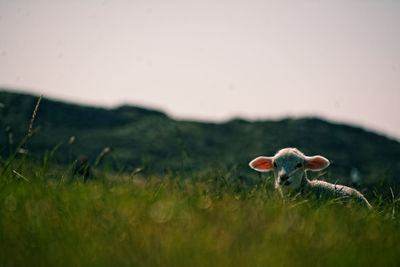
[262,164]
[316,163]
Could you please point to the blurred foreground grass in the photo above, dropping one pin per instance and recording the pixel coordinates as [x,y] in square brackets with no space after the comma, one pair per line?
[47,218]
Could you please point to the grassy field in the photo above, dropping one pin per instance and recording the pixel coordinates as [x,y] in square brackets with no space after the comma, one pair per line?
[49,217]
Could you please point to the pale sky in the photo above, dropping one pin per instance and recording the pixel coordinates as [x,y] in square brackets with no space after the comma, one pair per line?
[211,59]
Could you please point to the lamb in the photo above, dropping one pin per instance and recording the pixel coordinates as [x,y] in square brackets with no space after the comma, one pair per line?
[290,166]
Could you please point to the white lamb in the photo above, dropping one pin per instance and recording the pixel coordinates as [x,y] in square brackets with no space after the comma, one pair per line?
[290,166]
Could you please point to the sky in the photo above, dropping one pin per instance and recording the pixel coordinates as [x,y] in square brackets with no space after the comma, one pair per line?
[211,60]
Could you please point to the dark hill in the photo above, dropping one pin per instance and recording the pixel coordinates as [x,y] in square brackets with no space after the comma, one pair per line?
[142,137]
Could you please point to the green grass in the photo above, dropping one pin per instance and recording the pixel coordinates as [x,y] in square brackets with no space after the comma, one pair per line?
[51,217]
[48,217]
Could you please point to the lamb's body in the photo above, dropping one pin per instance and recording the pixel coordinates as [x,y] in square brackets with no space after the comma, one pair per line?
[290,166]
[328,190]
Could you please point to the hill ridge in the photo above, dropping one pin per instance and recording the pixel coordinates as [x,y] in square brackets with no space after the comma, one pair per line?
[144,137]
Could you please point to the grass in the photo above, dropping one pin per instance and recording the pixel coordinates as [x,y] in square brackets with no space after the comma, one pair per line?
[51,218]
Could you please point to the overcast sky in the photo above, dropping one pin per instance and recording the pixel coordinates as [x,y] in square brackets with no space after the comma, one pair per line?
[211,60]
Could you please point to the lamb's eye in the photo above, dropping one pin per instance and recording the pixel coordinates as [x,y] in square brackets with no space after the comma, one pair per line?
[275,164]
[298,165]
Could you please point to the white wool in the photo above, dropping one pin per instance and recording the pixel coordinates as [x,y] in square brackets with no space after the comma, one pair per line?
[290,166]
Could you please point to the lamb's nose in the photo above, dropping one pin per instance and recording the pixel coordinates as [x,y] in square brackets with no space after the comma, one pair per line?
[284,178]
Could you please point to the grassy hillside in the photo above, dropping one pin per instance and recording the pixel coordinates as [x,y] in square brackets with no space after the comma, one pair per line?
[190,203]
[149,139]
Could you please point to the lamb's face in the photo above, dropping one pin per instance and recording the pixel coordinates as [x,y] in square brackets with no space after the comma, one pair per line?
[288,170]
[289,166]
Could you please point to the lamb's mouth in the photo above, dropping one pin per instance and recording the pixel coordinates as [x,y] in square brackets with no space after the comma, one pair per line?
[286,183]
